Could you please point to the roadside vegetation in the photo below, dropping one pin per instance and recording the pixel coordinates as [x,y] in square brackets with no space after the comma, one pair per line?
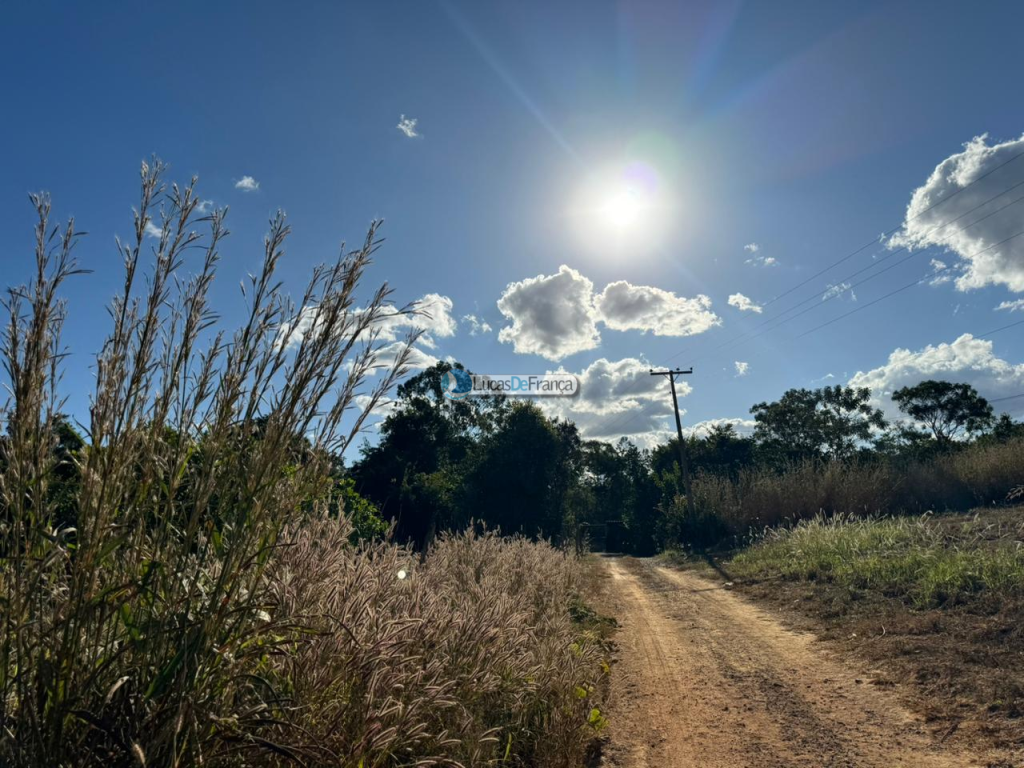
[189,576]
[932,603]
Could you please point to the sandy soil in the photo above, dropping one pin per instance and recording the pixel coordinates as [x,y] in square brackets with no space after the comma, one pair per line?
[707,679]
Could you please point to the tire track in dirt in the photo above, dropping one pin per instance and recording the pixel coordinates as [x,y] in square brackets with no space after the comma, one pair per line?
[707,679]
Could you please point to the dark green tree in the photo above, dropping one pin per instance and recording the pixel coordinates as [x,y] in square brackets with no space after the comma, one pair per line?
[949,411]
[806,423]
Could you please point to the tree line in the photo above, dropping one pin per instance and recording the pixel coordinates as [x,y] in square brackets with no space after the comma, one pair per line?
[441,464]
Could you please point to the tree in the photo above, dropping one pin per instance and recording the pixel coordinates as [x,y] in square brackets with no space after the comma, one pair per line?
[807,423]
[948,410]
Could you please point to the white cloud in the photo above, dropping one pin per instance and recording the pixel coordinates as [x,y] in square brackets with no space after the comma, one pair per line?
[967,359]
[837,290]
[557,315]
[616,399]
[407,125]
[626,307]
[941,271]
[247,184]
[384,408]
[702,428]
[985,258]
[477,326]
[418,359]
[1012,306]
[152,230]
[742,369]
[552,316]
[756,259]
[432,316]
[744,304]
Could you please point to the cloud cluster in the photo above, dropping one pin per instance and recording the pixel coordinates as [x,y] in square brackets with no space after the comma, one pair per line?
[618,399]
[742,369]
[247,184]
[477,326]
[988,254]
[1012,306]
[744,304]
[407,125]
[756,259]
[966,359]
[555,316]
[703,428]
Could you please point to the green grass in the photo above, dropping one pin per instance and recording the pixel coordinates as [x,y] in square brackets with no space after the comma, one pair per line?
[918,559]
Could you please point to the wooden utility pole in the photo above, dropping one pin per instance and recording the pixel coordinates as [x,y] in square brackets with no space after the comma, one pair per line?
[684,466]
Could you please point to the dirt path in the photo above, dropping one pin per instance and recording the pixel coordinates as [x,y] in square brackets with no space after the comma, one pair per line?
[707,679]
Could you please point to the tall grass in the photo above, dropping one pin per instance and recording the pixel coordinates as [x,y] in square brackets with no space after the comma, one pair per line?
[758,497]
[909,558]
[199,609]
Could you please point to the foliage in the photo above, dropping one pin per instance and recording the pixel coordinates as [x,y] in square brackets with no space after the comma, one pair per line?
[806,423]
[948,410]
[910,558]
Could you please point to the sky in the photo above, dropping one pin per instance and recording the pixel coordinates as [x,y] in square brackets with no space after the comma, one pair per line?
[593,187]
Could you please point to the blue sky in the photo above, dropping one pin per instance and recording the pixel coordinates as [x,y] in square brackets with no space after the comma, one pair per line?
[645,146]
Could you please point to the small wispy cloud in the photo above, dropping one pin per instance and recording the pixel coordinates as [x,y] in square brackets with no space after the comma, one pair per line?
[741,368]
[1012,306]
[477,326]
[744,304]
[247,184]
[407,125]
[838,289]
[756,259]
[941,271]
[152,230]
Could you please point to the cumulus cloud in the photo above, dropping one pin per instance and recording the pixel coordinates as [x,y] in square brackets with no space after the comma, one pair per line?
[966,359]
[744,304]
[618,399]
[152,230]
[626,307]
[407,125]
[1012,306]
[432,318]
[552,316]
[477,326]
[751,247]
[985,257]
[742,369]
[557,315]
[247,184]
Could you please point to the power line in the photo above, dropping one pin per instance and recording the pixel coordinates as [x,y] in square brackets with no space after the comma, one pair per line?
[617,422]
[894,229]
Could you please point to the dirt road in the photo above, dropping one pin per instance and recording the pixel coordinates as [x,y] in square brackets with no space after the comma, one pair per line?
[707,679]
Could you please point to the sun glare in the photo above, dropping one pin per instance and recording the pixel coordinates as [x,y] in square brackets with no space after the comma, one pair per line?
[624,207]
[628,206]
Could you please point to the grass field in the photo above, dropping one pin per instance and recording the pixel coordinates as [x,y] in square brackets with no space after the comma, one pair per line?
[934,604]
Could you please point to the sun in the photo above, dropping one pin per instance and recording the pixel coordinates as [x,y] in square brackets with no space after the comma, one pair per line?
[624,207]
